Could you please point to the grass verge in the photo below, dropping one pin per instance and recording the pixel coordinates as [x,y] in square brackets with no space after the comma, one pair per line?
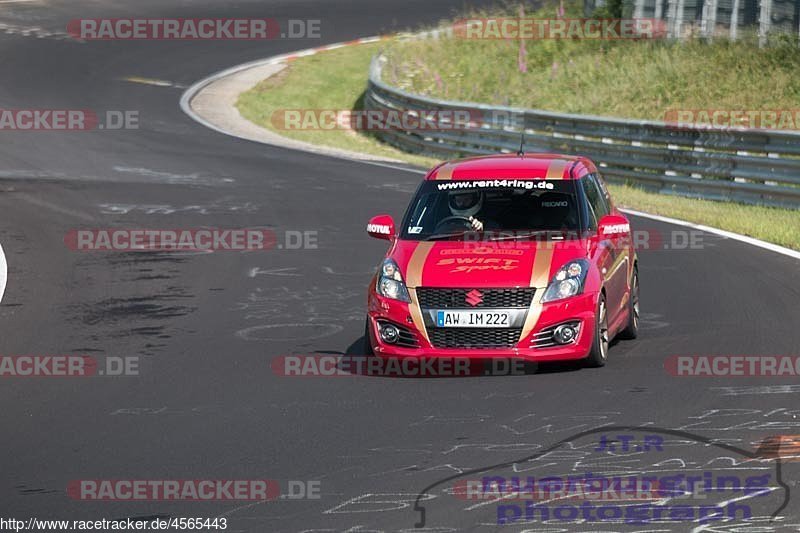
[337,79]
[642,79]
[330,80]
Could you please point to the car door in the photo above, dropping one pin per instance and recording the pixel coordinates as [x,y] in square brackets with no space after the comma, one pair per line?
[612,260]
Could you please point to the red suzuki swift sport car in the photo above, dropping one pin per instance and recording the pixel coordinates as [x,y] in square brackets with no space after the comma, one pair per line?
[521,256]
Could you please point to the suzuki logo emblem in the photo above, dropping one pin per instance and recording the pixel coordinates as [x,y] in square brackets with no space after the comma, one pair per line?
[474,297]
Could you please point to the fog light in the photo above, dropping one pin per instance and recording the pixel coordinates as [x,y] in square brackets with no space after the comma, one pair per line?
[389,333]
[565,333]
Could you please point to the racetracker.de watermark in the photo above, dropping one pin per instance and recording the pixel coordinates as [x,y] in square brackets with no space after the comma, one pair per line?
[764,119]
[337,366]
[559,28]
[375,119]
[67,120]
[490,241]
[188,240]
[193,29]
[67,366]
[724,366]
[192,489]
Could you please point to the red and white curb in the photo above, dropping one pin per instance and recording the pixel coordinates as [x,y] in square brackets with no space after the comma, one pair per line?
[192,91]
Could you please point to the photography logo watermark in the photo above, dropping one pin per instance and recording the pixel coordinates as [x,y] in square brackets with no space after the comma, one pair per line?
[374,120]
[763,119]
[70,366]
[188,240]
[586,487]
[67,120]
[622,475]
[711,366]
[192,490]
[559,28]
[192,29]
[330,366]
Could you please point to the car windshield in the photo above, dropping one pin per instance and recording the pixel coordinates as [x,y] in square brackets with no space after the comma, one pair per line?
[503,208]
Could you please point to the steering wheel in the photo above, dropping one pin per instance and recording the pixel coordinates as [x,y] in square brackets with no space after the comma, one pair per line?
[454,218]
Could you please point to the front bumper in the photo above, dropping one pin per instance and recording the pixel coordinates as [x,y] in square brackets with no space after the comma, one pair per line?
[425,342]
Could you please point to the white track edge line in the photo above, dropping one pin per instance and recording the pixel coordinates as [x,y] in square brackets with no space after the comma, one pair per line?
[3,272]
[721,232]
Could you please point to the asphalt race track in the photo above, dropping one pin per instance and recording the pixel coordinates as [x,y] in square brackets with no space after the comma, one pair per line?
[206,403]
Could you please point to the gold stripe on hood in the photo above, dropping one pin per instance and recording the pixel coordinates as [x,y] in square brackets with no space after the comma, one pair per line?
[540,277]
[416,314]
[413,280]
[417,263]
[540,273]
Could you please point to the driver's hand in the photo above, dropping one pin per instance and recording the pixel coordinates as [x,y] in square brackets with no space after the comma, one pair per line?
[477,225]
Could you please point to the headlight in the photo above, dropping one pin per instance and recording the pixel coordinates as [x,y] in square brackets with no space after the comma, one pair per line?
[390,282]
[568,281]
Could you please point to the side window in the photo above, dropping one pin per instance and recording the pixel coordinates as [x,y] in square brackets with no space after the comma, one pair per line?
[603,189]
[594,194]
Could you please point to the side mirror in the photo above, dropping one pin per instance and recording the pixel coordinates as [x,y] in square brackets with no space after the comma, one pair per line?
[613,226]
[381,227]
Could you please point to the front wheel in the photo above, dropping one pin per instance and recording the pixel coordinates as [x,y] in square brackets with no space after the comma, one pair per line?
[631,331]
[599,353]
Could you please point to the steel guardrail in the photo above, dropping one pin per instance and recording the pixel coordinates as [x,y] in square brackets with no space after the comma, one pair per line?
[736,164]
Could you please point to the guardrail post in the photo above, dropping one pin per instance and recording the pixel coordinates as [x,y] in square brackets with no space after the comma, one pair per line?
[709,20]
[659,9]
[638,9]
[764,21]
[734,27]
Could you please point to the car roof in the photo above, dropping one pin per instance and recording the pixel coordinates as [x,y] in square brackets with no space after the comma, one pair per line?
[513,166]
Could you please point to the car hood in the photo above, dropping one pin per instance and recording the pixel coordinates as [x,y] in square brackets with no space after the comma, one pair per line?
[459,264]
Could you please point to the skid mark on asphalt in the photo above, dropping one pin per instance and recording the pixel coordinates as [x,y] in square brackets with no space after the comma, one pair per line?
[757,390]
[297,315]
[288,332]
[38,202]
[437,419]
[171,178]
[222,206]
[153,82]
[141,319]
[288,271]
[362,273]
[35,31]
[534,424]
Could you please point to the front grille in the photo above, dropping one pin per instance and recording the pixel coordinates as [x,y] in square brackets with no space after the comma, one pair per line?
[474,337]
[406,338]
[434,298]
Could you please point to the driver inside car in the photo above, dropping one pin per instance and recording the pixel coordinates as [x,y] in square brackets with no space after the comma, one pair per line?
[467,204]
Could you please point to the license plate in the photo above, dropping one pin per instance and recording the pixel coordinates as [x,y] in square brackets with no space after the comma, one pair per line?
[472,319]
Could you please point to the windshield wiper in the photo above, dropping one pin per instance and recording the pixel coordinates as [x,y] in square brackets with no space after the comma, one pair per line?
[525,235]
[441,236]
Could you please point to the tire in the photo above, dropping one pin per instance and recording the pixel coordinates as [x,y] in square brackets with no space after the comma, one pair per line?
[598,355]
[631,331]
[367,344]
